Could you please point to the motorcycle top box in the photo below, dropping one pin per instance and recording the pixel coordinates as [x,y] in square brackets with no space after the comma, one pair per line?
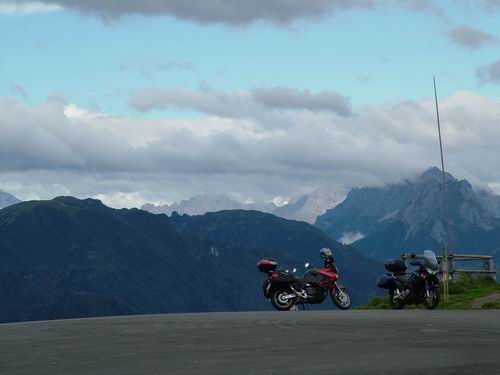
[397,266]
[267,265]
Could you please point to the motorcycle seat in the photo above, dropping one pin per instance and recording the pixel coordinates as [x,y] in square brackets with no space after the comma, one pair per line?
[298,279]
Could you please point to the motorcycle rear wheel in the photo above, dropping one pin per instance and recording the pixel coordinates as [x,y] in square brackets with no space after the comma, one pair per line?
[395,302]
[433,301]
[341,298]
[280,303]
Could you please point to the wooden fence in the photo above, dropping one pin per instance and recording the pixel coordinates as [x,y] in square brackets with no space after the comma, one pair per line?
[486,268]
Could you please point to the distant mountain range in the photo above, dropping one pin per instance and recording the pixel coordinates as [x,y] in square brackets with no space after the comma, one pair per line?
[408,216]
[307,208]
[7,199]
[203,203]
[67,258]
[310,206]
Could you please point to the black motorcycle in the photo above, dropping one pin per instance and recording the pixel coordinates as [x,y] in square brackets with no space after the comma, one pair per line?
[420,286]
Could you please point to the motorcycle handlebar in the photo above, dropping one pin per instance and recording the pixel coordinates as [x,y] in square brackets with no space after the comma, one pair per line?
[408,255]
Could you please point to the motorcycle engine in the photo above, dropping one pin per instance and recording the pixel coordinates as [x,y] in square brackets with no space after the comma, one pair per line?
[311,291]
[315,294]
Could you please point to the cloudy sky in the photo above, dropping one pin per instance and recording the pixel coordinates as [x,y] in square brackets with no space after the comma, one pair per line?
[155,101]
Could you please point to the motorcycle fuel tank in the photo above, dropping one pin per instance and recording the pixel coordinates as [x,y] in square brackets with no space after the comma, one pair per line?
[313,277]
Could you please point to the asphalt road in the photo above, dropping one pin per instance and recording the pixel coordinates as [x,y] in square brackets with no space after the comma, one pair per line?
[310,342]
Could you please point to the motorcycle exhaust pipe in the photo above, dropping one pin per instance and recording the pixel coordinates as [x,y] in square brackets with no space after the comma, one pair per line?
[302,294]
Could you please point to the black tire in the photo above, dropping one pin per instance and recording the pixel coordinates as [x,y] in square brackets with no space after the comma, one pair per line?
[396,303]
[435,296]
[278,302]
[341,298]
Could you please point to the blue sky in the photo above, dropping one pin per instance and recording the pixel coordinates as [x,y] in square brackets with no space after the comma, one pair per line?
[371,56]
[157,101]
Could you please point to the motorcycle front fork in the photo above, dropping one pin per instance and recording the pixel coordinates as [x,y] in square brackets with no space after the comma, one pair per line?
[427,294]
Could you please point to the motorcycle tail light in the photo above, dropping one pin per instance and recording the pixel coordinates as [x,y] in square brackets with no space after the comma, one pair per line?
[274,275]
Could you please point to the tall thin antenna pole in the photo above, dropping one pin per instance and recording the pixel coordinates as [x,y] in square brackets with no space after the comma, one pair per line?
[447,247]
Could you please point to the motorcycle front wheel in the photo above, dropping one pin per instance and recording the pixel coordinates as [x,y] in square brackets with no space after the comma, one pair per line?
[341,298]
[279,301]
[432,301]
[395,302]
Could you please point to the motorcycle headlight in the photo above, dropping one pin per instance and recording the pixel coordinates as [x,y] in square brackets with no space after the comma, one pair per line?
[431,271]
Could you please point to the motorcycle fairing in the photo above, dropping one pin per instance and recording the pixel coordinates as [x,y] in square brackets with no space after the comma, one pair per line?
[330,277]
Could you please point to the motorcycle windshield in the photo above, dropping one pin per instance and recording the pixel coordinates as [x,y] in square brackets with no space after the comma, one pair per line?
[430,260]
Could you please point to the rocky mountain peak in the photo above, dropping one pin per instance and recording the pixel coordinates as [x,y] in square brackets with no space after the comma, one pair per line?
[411,212]
[203,203]
[435,174]
[7,199]
[308,207]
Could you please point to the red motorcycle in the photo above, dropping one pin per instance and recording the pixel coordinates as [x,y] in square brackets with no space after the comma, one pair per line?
[285,290]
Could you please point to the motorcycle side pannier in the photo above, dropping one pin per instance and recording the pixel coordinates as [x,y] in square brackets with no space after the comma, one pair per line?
[284,277]
[395,265]
[267,265]
[385,282]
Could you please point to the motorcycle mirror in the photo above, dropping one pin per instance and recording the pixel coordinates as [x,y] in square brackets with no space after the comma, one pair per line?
[294,270]
[306,265]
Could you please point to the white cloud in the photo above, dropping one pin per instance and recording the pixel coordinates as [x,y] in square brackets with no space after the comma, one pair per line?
[240,104]
[52,148]
[27,7]
[280,201]
[350,237]
[129,200]
[75,113]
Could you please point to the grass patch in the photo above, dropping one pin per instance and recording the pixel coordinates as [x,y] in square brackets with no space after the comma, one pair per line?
[491,305]
[377,303]
[463,293]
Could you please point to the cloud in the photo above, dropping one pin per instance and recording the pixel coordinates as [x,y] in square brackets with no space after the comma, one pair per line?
[231,12]
[489,72]
[27,7]
[17,90]
[56,148]
[491,4]
[149,68]
[287,98]
[256,103]
[210,11]
[470,37]
[350,237]
[423,6]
